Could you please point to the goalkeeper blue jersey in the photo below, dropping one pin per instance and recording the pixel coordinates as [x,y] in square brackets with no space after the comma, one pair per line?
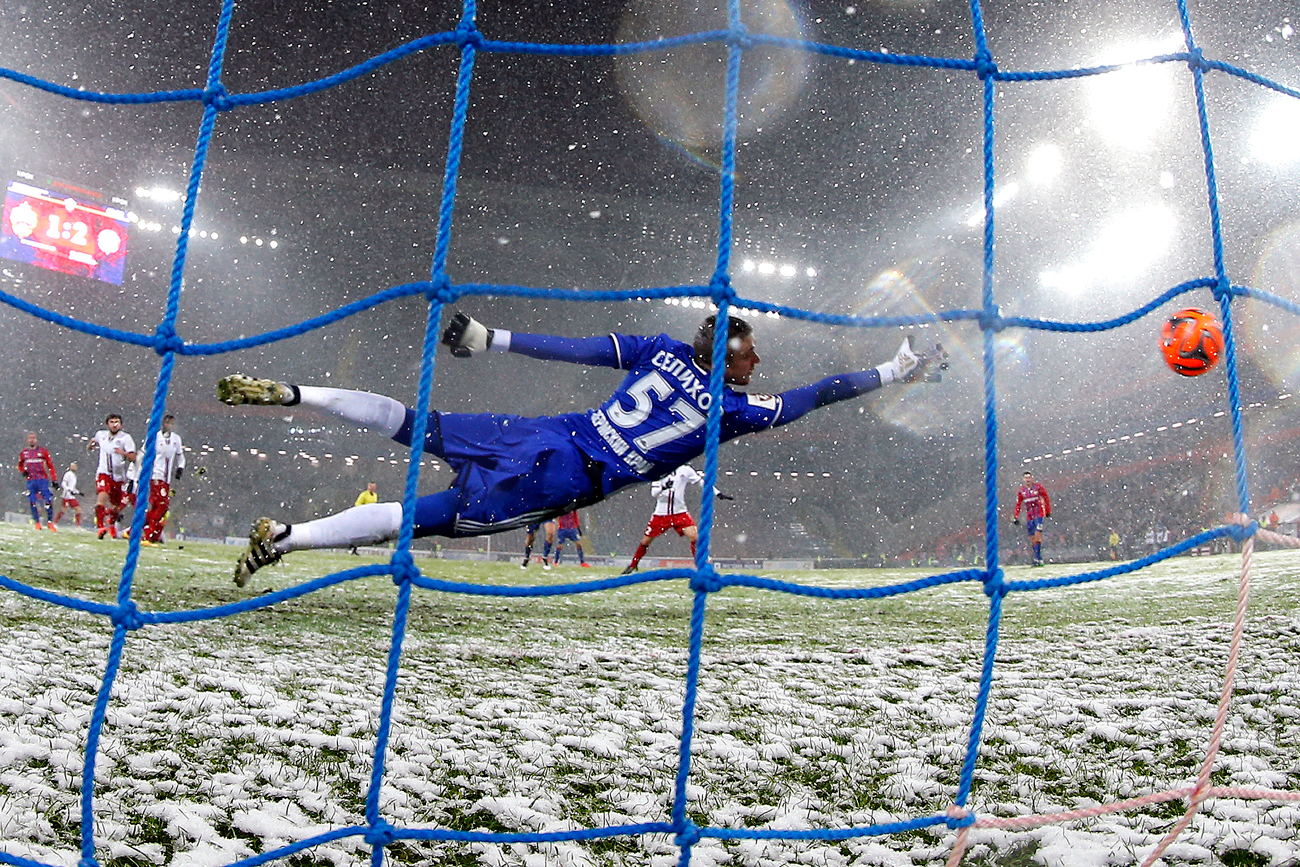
[654,421]
[512,471]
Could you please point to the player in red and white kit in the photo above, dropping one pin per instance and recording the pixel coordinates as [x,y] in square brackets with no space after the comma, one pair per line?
[1038,506]
[70,494]
[168,462]
[569,528]
[116,452]
[36,466]
[670,511]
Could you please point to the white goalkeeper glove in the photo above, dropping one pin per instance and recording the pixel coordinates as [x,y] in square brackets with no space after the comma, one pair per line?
[908,364]
[466,336]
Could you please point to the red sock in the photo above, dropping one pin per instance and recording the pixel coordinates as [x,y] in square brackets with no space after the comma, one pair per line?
[99,517]
[640,552]
[692,548]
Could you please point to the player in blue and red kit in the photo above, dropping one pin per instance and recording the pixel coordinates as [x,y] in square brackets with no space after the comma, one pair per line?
[512,471]
[36,466]
[1038,506]
[570,530]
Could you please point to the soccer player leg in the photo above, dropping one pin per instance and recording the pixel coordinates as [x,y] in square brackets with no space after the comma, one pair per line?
[269,540]
[370,524]
[101,504]
[365,409]
[692,532]
[31,500]
[1034,528]
[371,411]
[159,503]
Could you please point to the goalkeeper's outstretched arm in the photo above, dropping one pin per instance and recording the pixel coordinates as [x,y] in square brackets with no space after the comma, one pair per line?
[906,366]
[798,402]
[466,336]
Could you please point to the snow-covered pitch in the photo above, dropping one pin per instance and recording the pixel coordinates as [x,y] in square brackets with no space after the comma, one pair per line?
[234,737]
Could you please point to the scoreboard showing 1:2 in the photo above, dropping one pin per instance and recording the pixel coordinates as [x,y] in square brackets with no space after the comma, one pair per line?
[64,228]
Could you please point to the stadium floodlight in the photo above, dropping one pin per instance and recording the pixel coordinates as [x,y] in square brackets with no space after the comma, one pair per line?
[1130,105]
[1275,141]
[1044,164]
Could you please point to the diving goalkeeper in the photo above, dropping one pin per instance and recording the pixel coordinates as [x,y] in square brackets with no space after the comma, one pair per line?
[512,471]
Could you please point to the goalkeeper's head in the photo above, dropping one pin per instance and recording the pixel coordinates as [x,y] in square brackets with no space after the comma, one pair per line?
[741,355]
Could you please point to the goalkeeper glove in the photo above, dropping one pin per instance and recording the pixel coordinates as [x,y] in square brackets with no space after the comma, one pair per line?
[725,497]
[466,336]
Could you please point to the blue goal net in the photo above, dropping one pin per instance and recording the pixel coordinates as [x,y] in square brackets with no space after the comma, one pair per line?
[738,40]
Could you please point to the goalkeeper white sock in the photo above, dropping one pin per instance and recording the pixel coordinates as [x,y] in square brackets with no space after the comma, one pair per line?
[371,411]
[888,373]
[360,525]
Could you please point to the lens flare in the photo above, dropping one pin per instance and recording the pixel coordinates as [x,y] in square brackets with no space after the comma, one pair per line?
[679,94]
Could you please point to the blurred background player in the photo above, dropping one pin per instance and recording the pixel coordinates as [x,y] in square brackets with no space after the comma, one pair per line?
[369,495]
[1038,506]
[670,511]
[36,466]
[548,528]
[131,492]
[569,529]
[168,463]
[365,498]
[116,453]
[70,494]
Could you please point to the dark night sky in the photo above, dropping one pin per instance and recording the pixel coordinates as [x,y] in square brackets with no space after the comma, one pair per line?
[601,173]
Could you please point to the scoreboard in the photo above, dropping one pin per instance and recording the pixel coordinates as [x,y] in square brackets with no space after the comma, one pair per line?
[64,228]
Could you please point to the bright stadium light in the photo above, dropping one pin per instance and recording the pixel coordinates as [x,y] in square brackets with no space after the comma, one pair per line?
[1130,105]
[1001,196]
[1133,242]
[1275,141]
[1044,164]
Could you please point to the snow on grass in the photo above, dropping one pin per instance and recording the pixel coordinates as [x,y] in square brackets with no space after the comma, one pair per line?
[229,738]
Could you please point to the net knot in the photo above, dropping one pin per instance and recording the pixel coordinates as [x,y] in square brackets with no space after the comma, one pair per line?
[215,96]
[739,37]
[467,34]
[994,586]
[706,580]
[991,319]
[1196,60]
[1223,289]
[381,834]
[404,568]
[959,817]
[167,340]
[127,615]
[720,290]
[984,65]
[440,290]
[689,836]
[1243,531]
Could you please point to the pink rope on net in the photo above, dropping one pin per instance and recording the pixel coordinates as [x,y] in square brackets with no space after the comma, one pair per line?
[1196,794]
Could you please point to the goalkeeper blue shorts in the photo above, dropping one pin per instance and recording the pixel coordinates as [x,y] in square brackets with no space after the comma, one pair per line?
[512,471]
